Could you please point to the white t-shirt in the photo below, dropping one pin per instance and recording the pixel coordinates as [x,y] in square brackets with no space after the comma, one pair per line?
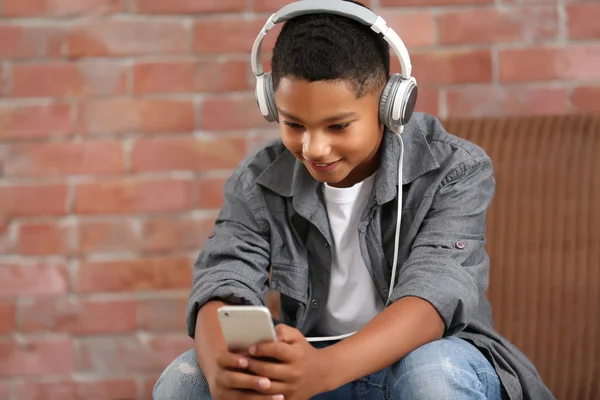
[353,299]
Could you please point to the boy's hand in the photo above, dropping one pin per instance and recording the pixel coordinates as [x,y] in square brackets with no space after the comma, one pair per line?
[233,380]
[301,370]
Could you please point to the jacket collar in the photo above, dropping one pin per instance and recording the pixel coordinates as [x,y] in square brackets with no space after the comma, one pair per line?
[418,160]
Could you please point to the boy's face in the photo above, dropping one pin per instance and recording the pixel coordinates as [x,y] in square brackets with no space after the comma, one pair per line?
[335,134]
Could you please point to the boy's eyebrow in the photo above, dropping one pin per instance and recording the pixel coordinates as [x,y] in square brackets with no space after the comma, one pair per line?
[330,119]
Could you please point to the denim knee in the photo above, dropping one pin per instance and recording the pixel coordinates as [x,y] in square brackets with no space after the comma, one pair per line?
[182,380]
[450,368]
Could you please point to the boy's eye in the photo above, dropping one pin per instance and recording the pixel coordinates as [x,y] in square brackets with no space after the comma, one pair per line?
[336,127]
[292,125]
[339,127]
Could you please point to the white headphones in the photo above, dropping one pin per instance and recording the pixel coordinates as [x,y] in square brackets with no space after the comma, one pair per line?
[396,105]
[399,96]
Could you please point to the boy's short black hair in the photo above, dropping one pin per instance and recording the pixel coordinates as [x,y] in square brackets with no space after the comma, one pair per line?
[327,47]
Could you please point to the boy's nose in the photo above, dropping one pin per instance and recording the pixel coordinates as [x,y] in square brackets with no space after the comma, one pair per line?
[315,147]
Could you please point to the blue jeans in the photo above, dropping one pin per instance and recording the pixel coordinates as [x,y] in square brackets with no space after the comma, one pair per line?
[446,369]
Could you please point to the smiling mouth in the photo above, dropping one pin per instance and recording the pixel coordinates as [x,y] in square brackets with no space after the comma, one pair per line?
[322,164]
[324,167]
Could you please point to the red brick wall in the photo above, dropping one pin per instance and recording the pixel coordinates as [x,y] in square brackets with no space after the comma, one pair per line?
[120,119]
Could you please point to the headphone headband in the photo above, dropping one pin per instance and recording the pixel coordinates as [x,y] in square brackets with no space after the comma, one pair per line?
[342,8]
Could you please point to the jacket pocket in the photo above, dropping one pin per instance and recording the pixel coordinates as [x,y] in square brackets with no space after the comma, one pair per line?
[290,281]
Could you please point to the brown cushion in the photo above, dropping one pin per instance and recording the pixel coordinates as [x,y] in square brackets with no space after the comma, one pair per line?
[544,242]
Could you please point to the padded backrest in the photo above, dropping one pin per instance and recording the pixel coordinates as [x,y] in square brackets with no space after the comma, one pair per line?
[544,242]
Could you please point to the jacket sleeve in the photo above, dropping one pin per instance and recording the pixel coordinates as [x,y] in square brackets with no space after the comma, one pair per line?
[448,265]
[233,264]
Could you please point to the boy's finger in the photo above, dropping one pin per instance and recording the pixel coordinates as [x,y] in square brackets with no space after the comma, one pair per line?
[248,395]
[281,351]
[226,359]
[272,370]
[241,380]
[288,334]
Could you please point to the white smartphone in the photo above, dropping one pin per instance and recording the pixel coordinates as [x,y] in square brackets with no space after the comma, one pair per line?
[244,326]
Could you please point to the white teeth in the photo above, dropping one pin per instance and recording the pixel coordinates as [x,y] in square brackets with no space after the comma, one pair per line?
[321,165]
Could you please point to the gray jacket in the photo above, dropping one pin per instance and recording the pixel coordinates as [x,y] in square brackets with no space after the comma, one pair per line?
[274,216]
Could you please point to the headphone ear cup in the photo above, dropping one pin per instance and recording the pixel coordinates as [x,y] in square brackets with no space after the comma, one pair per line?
[398,101]
[386,101]
[409,99]
[270,98]
[265,97]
